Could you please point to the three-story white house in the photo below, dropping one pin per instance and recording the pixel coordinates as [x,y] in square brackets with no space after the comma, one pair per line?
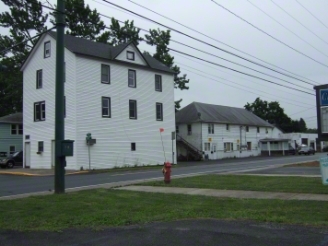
[116,93]
[216,132]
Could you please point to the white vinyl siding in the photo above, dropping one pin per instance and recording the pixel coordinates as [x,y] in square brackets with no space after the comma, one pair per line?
[138,59]
[45,130]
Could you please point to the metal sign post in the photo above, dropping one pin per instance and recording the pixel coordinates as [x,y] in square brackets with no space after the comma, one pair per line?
[173,138]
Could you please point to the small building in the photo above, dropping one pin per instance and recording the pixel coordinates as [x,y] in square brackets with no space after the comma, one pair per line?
[11,134]
[207,131]
[121,96]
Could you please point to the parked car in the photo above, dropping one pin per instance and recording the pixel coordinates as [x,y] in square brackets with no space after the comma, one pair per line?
[292,151]
[16,159]
[306,151]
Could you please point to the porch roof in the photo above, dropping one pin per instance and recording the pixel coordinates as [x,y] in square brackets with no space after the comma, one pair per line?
[275,140]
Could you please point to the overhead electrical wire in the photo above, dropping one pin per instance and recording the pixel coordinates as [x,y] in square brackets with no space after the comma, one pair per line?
[299,22]
[311,14]
[287,28]
[243,86]
[211,45]
[180,52]
[235,75]
[259,29]
[26,40]
[239,71]
[192,29]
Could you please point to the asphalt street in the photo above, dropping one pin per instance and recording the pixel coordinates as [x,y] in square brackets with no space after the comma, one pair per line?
[14,185]
[183,233]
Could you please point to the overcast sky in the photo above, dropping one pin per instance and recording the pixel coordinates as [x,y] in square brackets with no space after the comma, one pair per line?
[213,84]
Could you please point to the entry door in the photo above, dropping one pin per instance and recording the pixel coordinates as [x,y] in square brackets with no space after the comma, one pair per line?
[27,162]
[214,155]
[53,153]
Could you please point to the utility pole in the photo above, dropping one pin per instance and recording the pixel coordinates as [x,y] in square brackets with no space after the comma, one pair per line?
[60,161]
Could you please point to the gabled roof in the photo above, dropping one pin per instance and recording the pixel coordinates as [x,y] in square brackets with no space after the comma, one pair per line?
[105,51]
[202,112]
[16,118]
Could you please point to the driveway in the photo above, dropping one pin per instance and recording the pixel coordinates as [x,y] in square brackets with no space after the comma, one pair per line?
[182,233]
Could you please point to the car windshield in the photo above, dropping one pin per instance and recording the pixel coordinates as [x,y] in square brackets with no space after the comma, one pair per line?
[15,154]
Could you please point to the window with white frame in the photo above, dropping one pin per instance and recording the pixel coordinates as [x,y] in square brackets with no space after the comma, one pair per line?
[228,146]
[247,128]
[258,129]
[132,80]
[16,129]
[130,55]
[159,111]
[39,79]
[40,111]
[266,130]
[12,150]
[158,82]
[47,49]
[105,74]
[227,127]
[249,145]
[210,128]
[105,102]
[207,146]
[13,129]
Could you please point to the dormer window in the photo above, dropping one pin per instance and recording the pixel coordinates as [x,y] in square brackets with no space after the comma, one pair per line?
[47,49]
[130,55]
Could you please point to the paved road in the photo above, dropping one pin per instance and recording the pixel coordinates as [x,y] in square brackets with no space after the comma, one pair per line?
[14,185]
[184,233]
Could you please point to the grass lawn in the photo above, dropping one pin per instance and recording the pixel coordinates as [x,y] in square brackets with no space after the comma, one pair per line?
[102,208]
[248,182]
[305,164]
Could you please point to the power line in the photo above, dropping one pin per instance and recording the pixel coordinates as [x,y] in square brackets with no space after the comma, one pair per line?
[239,71]
[312,14]
[215,39]
[287,28]
[298,22]
[241,65]
[202,40]
[217,69]
[259,29]
[304,110]
[14,46]
[252,92]
[184,65]
[245,73]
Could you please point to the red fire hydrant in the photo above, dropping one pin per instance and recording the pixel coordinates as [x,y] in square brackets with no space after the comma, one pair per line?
[167,172]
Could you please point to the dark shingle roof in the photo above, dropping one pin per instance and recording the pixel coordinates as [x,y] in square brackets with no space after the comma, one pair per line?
[104,51]
[202,112]
[16,118]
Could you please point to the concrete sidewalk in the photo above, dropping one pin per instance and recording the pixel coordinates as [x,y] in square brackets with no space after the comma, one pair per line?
[240,194]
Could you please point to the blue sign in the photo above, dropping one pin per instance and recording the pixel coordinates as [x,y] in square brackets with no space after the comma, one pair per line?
[324,170]
[324,97]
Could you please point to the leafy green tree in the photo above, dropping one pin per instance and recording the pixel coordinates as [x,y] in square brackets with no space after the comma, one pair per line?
[82,22]
[161,39]
[274,114]
[122,34]
[23,20]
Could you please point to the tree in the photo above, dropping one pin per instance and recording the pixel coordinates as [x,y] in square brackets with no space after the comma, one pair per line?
[23,20]
[161,39]
[274,114]
[82,22]
[122,34]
